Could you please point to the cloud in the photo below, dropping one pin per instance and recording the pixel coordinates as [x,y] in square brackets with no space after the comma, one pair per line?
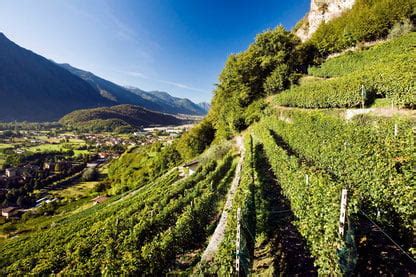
[137,35]
[175,84]
[136,74]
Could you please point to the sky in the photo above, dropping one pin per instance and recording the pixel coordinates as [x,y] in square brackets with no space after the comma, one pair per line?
[177,46]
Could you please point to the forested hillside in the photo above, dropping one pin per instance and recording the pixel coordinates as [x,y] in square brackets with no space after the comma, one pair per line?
[305,165]
[116,118]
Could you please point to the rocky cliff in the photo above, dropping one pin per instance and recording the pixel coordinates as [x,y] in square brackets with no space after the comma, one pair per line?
[321,11]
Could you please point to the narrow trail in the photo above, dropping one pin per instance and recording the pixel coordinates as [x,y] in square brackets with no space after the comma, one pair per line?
[219,232]
[283,252]
[349,113]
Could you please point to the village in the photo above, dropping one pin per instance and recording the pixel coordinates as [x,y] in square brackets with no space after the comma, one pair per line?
[34,164]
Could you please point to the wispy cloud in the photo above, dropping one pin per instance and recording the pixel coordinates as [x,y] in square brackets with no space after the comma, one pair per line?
[118,27]
[139,36]
[175,84]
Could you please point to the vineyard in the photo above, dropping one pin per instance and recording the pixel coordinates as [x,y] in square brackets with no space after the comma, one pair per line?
[296,165]
[385,71]
[287,180]
[132,232]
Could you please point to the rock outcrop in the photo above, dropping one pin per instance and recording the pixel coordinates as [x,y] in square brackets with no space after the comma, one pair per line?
[321,11]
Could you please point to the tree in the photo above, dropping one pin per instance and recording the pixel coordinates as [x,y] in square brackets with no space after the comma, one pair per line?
[278,80]
[269,65]
[90,174]
[196,140]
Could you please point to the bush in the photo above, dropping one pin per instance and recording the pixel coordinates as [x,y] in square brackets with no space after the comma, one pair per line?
[267,66]
[401,28]
[196,140]
[90,174]
[278,80]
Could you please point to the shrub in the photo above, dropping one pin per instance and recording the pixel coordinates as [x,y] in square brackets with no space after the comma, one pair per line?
[278,79]
[401,28]
[90,174]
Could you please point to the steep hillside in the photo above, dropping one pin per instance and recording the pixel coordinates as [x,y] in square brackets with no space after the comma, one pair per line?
[33,88]
[366,21]
[385,71]
[168,103]
[313,193]
[111,118]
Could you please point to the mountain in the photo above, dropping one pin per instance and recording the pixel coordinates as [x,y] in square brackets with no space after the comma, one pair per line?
[154,100]
[205,105]
[321,11]
[33,88]
[111,91]
[111,118]
[170,103]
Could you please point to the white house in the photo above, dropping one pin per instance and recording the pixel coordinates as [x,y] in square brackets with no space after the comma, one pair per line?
[8,212]
[11,172]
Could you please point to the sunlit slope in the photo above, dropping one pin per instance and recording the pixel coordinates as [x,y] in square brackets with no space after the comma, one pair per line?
[387,70]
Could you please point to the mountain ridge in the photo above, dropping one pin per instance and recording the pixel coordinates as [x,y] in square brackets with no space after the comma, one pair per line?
[164,102]
[171,103]
[34,88]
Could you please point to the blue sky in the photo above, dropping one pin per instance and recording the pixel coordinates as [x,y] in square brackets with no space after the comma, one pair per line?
[178,46]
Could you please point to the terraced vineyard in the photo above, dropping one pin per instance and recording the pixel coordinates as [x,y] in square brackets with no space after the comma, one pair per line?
[290,191]
[289,184]
[125,234]
[384,71]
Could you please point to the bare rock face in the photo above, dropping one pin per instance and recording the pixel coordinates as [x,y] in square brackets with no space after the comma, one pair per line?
[321,11]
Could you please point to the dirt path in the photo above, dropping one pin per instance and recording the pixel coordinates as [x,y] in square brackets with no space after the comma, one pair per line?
[218,235]
[384,112]
[283,251]
[349,113]
[378,256]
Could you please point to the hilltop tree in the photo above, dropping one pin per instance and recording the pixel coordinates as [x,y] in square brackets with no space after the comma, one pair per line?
[268,66]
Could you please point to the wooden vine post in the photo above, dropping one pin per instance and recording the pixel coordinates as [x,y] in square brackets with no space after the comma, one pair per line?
[343,212]
[363,96]
[238,243]
[396,129]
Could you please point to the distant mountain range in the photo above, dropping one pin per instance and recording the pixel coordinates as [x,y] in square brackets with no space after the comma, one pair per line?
[204,105]
[153,100]
[33,88]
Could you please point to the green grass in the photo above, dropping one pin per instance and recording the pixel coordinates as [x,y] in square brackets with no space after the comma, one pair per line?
[59,147]
[41,222]
[381,103]
[77,191]
[46,148]
[5,146]
[81,152]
